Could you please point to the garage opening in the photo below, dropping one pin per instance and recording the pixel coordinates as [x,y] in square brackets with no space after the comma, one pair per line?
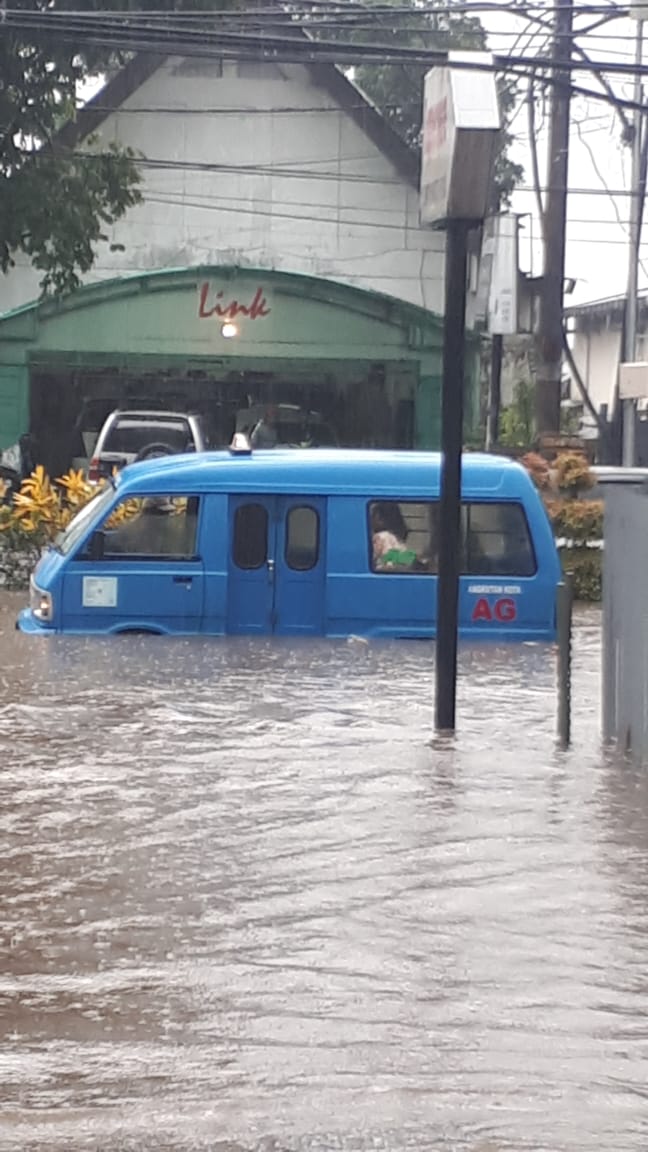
[364,404]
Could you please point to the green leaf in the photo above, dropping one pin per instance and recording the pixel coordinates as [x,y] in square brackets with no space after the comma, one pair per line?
[57,205]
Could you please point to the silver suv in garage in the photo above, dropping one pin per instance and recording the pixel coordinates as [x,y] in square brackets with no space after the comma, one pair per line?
[128,436]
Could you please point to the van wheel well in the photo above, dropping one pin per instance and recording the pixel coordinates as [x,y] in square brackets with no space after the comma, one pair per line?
[137,632]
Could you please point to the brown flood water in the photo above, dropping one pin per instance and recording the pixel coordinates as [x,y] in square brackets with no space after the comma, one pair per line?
[249,903]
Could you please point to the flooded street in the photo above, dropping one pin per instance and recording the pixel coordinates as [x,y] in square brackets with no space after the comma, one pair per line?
[251,904]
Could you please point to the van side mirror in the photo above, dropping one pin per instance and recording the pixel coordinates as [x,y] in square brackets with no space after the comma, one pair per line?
[97,544]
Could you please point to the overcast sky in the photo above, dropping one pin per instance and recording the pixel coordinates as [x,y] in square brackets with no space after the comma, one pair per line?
[597,232]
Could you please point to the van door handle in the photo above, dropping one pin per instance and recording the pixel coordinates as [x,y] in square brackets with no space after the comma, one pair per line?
[182,579]
[271,568]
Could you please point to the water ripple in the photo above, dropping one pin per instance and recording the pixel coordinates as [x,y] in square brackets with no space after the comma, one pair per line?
[251,903]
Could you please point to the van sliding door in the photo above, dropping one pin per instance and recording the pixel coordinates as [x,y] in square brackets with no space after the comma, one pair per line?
[277,565]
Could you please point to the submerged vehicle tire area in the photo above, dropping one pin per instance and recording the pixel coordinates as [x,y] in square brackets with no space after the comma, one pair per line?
[138,632]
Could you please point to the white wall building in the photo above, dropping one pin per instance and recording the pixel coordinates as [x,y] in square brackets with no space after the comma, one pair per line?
[259,181]
[596,331]
[284,167]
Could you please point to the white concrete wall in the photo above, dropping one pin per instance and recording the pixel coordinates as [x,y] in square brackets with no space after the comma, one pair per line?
[596,352]
[293,184]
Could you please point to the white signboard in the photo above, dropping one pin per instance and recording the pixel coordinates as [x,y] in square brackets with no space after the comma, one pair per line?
[99,592]
[484,272]
[633,381]
[460,125]
[503,295]
[438,145]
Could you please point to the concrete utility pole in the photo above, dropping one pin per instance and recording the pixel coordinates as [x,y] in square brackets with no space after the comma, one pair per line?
[550,325]
[629,350]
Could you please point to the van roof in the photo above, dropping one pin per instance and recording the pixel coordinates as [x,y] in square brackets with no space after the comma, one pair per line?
[325,470]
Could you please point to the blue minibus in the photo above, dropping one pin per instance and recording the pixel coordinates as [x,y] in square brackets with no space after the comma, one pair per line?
[313,542]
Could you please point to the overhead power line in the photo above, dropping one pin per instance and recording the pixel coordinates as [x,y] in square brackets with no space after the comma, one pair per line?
[227,206]
[287,170]
[315,10]
[300,48]
[138,34]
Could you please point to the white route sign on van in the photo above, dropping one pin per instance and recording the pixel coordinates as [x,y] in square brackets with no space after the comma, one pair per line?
[99,592]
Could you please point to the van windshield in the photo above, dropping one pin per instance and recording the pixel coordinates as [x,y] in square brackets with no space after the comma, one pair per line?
[69,537]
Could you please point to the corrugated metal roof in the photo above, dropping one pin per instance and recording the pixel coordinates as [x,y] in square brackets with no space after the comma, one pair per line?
[608,306]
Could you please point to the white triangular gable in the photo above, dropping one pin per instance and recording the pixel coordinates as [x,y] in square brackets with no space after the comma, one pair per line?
[254,164]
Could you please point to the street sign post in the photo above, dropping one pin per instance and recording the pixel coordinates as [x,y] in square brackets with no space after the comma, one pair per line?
[460,122]
[460,125]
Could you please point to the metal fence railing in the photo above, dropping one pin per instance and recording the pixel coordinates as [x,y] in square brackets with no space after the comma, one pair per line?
[625,619]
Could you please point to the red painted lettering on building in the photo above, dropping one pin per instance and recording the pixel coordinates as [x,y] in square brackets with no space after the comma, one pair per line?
[225,309]
[504,610]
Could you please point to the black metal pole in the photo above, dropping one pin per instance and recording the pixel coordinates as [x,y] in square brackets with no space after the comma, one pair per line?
[494,392]
[451,445]
[564,606]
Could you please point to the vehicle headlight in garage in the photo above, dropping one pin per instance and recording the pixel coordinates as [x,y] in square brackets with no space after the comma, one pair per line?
[40,603]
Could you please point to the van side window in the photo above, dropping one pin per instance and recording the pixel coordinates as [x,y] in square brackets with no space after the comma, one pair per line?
[250,544]
[154,527]
[302,538]
[495,538]
[403,536]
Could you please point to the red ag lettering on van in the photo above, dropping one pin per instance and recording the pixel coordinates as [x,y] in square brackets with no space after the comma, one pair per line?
[482,610]
[504,610]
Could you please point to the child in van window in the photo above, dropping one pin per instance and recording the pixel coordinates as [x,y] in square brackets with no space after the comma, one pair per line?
[389,537]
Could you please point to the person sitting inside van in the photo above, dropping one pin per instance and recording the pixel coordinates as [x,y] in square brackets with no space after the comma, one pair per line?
[389,538]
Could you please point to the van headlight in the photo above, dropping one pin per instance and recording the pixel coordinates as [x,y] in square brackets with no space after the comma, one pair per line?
[40,603]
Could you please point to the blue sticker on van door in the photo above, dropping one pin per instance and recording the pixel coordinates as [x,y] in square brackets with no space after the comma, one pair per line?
[276,573]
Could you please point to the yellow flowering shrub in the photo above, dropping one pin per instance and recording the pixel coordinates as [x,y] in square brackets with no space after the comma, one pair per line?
[43,507]
[126,511]
[37,513]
